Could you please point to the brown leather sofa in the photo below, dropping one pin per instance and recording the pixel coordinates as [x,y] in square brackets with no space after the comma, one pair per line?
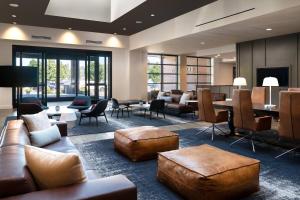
[16,182]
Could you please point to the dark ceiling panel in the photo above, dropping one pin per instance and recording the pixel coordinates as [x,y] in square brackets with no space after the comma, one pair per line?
[31,12]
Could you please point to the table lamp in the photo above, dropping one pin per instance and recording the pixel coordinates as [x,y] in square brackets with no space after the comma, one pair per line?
[240,81]
[270,81]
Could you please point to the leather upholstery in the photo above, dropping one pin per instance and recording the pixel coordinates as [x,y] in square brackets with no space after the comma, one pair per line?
[207,112]
[208,173]
[17,182]
[289,113]
[258,95]
[243,117]
[294,89]
[143,143]
[111,188]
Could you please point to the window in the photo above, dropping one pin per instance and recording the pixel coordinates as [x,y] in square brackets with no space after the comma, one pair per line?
[162,72]
[198,70]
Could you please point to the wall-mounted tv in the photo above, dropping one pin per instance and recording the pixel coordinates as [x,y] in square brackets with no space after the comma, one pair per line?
[18,76]
[281,73]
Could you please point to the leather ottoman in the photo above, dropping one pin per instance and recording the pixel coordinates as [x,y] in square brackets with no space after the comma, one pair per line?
[143,143]
[206,172]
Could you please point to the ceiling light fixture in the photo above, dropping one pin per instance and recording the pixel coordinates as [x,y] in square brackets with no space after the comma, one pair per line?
[269,29]
[14,23]
[152,15]
[124,29]
[202,43]
[115,33]
[14,5]
[14,16]
[70,28]
[139,22]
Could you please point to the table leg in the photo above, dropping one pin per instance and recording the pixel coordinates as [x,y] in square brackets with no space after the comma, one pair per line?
[230,122]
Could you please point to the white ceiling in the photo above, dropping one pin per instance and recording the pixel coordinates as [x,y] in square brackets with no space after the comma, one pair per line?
[94,10]
[282,22]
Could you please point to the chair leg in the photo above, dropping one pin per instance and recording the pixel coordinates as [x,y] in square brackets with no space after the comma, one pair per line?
[145,112]
[251,140]
[156,113]
[112,112]
[220,130]
[286,152]
[213,132]
[122,112]
[96,121]
[202,131]
[80,118]
[164,114]
[118,113]
[150,114]
[105,117]
[128,111]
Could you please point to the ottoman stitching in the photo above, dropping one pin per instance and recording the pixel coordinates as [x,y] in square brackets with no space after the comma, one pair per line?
[146,138]
[211,174]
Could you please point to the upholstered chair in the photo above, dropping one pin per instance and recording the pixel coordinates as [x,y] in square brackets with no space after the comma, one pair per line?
[289,114]
[244,118]
[28,109]
[258,95]
[207,113]
[294,89]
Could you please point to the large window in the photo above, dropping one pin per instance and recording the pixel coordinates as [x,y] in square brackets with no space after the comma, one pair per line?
[162,72]
[66,73]
[198,72]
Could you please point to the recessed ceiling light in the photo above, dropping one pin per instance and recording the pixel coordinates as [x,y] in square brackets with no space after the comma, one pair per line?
[115,33]
[152,15]
[124,29]
[70,28]
[269,29]
[14,16]
[202,43]
[138,22]
[15,5]
[14,22]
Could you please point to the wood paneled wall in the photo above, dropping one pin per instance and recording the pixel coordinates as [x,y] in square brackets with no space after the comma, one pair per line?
[280,51]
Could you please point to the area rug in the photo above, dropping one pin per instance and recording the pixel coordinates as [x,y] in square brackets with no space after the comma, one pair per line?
[279,178]
[134,120]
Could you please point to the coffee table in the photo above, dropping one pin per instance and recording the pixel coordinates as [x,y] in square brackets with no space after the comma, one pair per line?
[64,113]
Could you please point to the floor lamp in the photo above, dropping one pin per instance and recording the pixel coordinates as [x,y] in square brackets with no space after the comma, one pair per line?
[270,82]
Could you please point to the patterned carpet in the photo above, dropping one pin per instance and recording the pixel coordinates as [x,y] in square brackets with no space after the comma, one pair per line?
[279,179]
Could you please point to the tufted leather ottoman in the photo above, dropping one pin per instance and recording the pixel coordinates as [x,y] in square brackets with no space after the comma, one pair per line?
[206,172]
[143,143]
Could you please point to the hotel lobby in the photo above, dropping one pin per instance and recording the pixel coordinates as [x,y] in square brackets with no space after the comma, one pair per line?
[149,100]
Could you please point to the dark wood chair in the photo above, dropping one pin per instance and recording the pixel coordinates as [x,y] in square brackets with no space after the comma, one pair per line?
[117,107]
[289,114]
[207,112]
[96,111]
[244,118]
[157,106]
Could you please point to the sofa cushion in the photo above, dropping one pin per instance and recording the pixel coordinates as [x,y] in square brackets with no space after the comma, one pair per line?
[15,136]
[53,169]
[15,178]
[175,98]
[45,137]
[37,122]
[166,98]
[184,97]
[79,102]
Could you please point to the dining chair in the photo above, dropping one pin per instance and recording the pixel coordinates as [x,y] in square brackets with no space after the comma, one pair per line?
[244,118]
[289,114]
[207,113]
[96,111]
[258,95]
[117,107]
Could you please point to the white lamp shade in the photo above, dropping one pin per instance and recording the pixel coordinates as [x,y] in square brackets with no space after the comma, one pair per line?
[270,81]
[239,81]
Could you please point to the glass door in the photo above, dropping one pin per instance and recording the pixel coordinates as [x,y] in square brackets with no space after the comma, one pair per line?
[67,78]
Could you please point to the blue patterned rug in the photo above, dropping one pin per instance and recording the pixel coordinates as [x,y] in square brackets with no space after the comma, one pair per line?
[279,179]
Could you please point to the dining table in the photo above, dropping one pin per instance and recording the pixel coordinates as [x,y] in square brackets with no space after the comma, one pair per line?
[259,110]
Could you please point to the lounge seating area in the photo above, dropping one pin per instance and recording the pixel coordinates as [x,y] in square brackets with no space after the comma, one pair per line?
[149,100]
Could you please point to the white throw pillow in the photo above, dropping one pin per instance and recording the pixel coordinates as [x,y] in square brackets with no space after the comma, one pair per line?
[160,94]
[45,137]
[37,122]
[184,97]
[52,169]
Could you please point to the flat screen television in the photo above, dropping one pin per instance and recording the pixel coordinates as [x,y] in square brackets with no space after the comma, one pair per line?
[18,76]
[281,73]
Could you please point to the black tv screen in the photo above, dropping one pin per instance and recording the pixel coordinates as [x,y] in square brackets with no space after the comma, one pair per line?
[281,73]
[18,76]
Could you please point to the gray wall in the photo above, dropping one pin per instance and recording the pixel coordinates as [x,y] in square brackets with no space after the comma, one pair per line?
[281,51]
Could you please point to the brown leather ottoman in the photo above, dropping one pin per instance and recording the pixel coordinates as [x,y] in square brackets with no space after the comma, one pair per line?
[206,172]
[143,143]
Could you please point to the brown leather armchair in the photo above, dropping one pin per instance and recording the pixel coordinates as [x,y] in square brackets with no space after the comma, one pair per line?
[258,95]
[294,89]
[243,116]
[207,112]
[289,114]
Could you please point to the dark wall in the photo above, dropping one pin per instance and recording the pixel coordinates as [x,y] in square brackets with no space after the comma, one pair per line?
[281,51]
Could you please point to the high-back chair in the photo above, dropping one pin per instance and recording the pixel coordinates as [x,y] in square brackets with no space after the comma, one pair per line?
[243,116]
[207,112]
[96,111]
[157,106]
[258,95]
[294,89]
[81,103]
[117,107]
[289,114]
[28,109]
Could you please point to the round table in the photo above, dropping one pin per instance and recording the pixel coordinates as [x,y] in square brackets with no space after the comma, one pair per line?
[64,113]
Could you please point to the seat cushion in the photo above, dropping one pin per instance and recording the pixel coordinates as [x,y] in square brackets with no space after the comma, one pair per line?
[37,122]
[53,169]
[45,137]
[142,143]
[206,172]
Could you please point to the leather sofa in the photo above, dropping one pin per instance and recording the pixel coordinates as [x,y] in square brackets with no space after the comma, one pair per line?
[16,182]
